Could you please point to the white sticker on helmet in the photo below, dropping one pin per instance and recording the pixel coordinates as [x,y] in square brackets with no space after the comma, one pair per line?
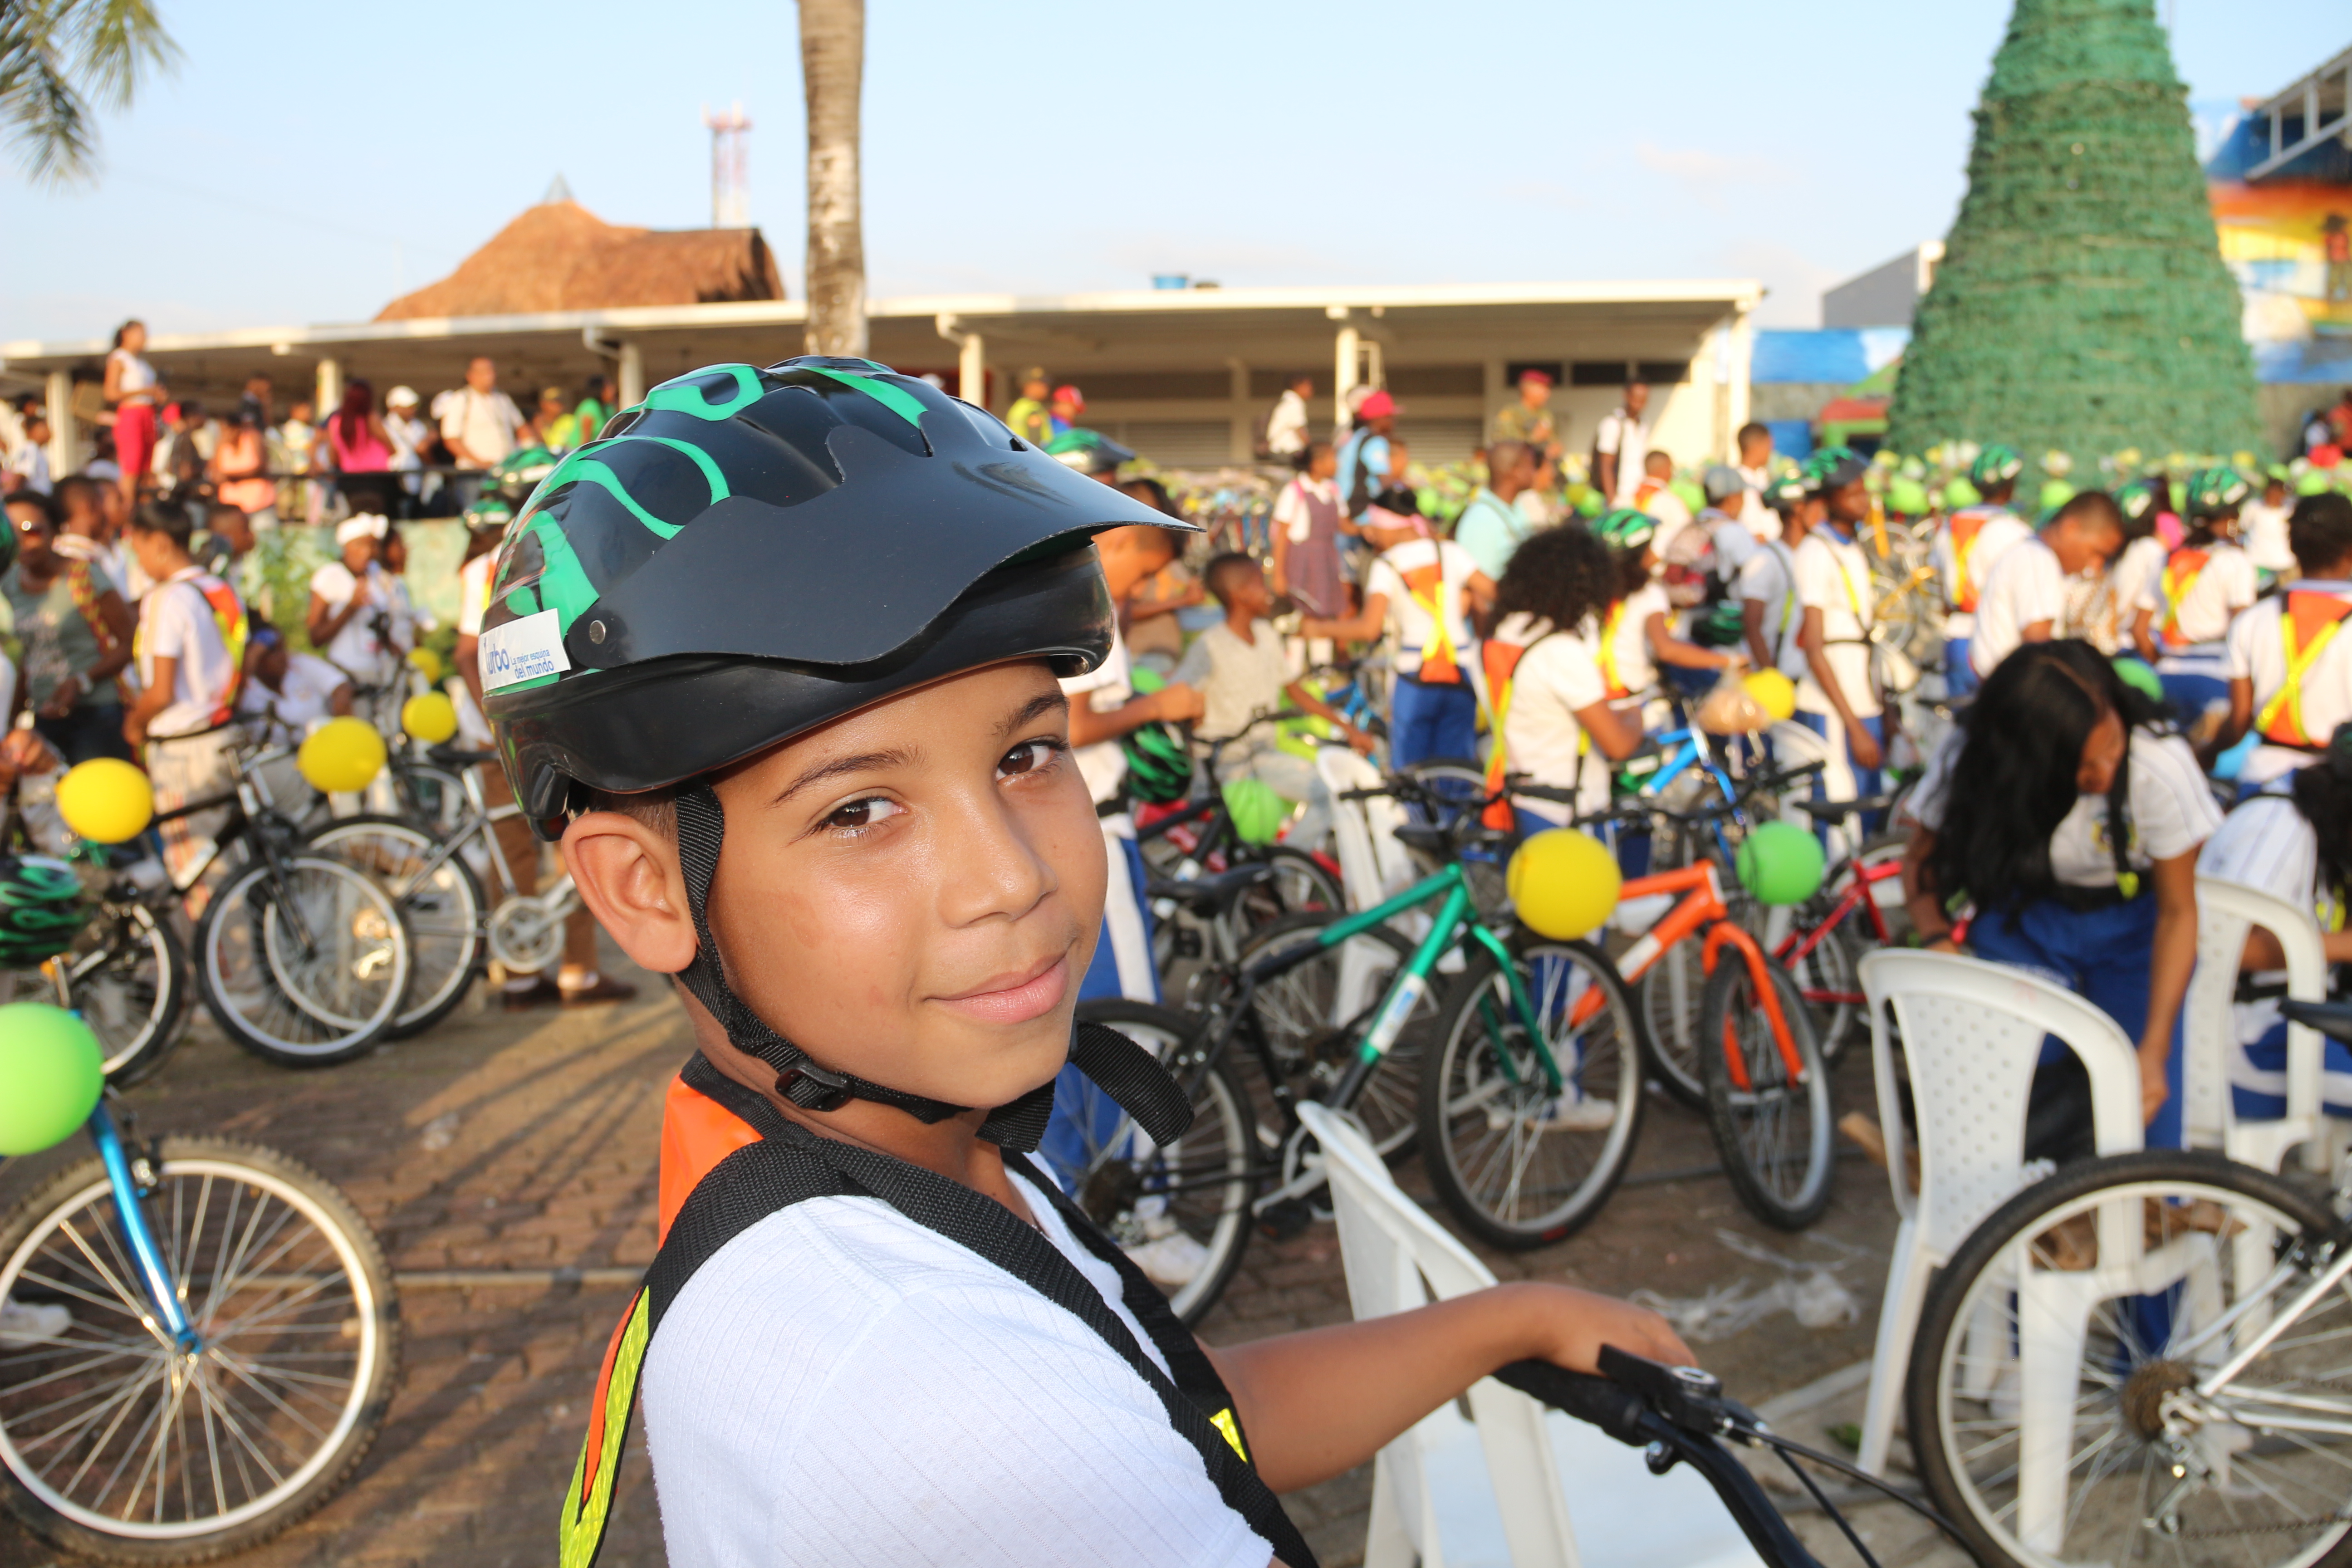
[523,649]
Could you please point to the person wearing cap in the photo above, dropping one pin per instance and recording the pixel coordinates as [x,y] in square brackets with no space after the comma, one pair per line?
[1365,463]
[1492,525]
[1617,446]
[351,604]
[1529,420]
[1965,547]
[2290,658]
[1068,407]
[1425,588]
[1029,416]
[1770,614]
[2025,597]
[1286,427]
[1726,519]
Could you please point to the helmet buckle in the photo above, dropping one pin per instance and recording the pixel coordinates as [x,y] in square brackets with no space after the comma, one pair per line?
[831,1091]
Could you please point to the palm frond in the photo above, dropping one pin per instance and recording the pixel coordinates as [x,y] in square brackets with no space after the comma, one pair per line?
[55,55]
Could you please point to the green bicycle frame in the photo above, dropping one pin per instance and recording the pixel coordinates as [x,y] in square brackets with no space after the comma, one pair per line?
[1411,982]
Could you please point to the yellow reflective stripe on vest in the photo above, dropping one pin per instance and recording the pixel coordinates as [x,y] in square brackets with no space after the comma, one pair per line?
[2177,588]
[588,1501]
[1231,1429]
[1440,646]
[1963,545]
[2287,701]
[1610,687]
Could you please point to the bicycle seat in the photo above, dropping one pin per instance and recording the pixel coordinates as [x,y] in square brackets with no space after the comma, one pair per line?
[1829,811]
[2333,1019]
[1444,842]
[1211,896]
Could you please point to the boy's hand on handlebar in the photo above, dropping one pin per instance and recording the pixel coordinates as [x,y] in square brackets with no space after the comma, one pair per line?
[1570,1327]
[1358,741]
[1177,703]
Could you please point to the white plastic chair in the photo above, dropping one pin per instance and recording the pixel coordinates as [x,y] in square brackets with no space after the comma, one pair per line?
[1504,1486]
[2225,912]
[1372,864]
[1972,1033]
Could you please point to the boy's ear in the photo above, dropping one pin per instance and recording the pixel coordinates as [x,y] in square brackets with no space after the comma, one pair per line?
[628,876]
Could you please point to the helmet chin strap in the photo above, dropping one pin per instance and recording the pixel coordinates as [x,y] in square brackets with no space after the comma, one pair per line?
[1123,1069]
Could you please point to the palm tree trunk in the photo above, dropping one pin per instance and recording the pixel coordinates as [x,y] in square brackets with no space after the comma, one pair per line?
[833,66]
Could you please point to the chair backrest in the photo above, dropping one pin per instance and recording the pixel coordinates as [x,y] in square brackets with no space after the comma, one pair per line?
[2226,912]
[1972,1034]
[1395,1258]
[1374,866]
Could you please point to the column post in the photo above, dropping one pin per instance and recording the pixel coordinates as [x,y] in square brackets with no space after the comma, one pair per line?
[65,440]
[1344,372]
[329,390]
[1239,448]
[631,375]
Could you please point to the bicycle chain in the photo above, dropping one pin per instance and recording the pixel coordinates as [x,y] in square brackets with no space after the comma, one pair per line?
[2280,1528]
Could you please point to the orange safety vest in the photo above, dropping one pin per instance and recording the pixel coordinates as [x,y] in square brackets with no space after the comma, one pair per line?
[1440,664]
[1614,688]
[1502,661]
[1965,526]
[696,1133]
[2307,624]
[229,617]
[2181,570]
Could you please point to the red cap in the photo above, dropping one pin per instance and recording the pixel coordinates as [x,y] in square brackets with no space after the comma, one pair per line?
[1070,395]
[1379,405]
[1537,377]
[2326,455]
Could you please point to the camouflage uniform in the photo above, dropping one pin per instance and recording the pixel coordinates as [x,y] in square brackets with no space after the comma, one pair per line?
[1517,421]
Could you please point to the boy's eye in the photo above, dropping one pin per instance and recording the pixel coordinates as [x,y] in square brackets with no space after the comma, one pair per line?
[1029,757]
[867,813]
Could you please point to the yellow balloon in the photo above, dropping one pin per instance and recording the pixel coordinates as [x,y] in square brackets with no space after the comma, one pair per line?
[427,663]
[341,755]
[1775,692]
[105,800]
[429,717]
[1563,883]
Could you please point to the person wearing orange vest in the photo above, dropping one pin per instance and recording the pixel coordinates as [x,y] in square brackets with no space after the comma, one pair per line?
[1425,589]
[2184,616]
[2291,655]
[1637,633]
[1971,540]
[1551,698]
[190,648]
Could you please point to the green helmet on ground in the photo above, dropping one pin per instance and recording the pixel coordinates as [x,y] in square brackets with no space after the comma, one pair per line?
[1995,466]
[1257,812]
[1159,763]
[2217,492]
[41,909]
[1625,528]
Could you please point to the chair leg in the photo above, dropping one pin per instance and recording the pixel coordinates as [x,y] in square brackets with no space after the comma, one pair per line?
[1890,1360]
[1387,1544]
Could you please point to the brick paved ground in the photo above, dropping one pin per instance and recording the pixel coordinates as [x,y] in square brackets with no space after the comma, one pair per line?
[529,1142]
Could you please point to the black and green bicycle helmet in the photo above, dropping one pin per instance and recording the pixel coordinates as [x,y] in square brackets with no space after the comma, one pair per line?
[520,472]
[2217,491]
[1159,763]
[1834,468]
[41,909]
[1625,528]
[750,553]
[1088,451]
[1995,466]
[2135,499]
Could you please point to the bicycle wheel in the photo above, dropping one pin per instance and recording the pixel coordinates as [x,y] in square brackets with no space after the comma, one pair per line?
[1773,1133]
[1314,1014]
[127,976]
[1181,1213]
[431,797]
[1520,1163]
[115,1442]
[442,905]
[305,963]
[1831,984]
[1300,883]
[2030,1342]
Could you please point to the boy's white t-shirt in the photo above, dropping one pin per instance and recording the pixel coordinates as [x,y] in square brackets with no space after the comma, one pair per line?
[2224,585]
[1833,577]
[1770,579]
[2026,585]
[1103,764]
[175,622]
[1994,538]
[1629,639]
[308,696]
[840,1384]
[1414,624]
[1557,677]
[2258,654]
[2172,811]
[355,649]
[2263,528]
[1237,680]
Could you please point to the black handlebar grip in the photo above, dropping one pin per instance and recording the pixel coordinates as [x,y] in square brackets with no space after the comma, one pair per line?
[1615,1409]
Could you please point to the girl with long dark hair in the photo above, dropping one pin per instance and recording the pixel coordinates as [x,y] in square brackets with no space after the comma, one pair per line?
[1543,671]
[361,450]
[2070,828]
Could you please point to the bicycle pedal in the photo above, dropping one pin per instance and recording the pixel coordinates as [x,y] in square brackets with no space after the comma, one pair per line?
[1285,1221]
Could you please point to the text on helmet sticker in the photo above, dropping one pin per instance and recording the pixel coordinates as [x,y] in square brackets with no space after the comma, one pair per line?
[526,648]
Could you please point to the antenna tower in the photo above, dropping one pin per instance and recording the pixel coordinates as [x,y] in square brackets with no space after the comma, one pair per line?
[731,188]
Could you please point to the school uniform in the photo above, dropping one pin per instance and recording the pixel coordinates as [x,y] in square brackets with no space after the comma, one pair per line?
[1832,576]
[2026,586]
[1968,546]
[2194,597]
[2267,844]
[2294,649]
[2096,932]
[1539,677]
[1434,708]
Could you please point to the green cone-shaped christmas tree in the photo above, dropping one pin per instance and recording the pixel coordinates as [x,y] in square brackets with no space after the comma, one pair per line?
[2081,304]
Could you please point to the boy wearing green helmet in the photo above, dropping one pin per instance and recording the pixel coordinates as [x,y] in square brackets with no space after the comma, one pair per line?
[1768,582]
[2184,616]
[1971,540]
[777,659]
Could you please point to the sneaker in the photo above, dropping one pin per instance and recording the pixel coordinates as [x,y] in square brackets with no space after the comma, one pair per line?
[25,1324]
[1172,1262]
[1582,1114]
[595,989]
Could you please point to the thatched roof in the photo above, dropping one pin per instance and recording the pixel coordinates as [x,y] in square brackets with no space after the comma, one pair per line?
[559,256]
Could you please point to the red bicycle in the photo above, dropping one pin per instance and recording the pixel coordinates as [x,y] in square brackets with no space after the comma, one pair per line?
[1860,906]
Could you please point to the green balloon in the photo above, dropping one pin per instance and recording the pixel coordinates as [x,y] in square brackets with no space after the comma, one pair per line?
[1781,863]
[2138,675]
[1907,498]
[51,1071]
[1258,812]
[1960,492]
[2056,493]
[1692,496]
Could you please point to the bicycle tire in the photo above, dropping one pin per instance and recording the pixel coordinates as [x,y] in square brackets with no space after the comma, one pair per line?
[447,940]
[1966,1334]
[1747,1123]
[358,1322]
[1301,884]
[1206,1197]
[128,977]
[241,939]
[1460,1090]
[1314,1014]
[1825,977]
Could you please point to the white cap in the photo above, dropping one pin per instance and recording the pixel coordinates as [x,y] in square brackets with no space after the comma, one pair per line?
[401,398]
[366,525]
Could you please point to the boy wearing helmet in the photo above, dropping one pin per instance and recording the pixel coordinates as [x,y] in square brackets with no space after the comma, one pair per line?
[1770,614]
[1967,546]
[782,670]
[2290,662]
[2184,614]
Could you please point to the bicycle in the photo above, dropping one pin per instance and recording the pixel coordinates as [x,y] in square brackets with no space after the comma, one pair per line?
[1820,948]
[205,1340]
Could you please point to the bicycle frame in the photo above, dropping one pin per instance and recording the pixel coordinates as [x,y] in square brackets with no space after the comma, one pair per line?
[1702,907]
[1858,894]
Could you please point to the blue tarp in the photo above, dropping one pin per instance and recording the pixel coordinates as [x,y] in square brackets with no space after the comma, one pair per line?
[1837,356]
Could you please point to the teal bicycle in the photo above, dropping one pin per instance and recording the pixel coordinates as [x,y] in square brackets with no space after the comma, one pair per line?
[1342,1010]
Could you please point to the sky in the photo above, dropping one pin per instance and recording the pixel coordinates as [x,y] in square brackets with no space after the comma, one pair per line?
[307,163]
